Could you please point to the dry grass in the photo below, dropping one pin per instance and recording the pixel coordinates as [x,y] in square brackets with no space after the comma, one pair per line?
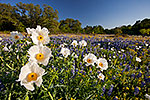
[106,36]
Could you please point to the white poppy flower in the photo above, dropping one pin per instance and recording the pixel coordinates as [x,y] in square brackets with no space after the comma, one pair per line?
[74,43]
[146,45]
[74,55]
[104,55]
[102,63]
[62,45]
[28,42]
[137,48]
[147,96]
[6,49]
[82,43]
[31,73]
[15,36]
[90,59]
[138,59]
[1,38]
[40,35]
[65,43]
[30,30]
[112,49]
[114,56]
[122,50]
[101,76]
[65,52]
[40,54]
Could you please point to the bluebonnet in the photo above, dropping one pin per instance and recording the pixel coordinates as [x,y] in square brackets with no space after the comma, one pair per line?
[139,75]
[53,66]
[133,75]
[129,62]
[110,90]
[103,89]
[128,68]
[115,98]
[147,80]
[98,72]
[142,84]
[61,81]
[113,77]
[1,85]
[82,53]
[136,91]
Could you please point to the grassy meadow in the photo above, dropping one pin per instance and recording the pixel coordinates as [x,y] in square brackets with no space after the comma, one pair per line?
[75,74]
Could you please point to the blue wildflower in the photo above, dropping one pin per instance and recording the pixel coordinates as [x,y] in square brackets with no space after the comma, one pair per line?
[110,90]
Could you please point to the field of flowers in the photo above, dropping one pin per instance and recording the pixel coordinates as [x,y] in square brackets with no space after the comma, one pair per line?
[73,67]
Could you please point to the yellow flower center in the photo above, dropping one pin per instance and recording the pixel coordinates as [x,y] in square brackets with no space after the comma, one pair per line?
[40,38]
[32,77]
[89,60]
[119,74]
[72,99]
[16,37]
[100,76]
[74,43]
[127,88]
[60,99]
[101,64]
[39,56]
[139,88]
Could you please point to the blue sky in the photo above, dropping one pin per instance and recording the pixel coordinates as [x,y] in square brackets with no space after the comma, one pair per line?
[107,13]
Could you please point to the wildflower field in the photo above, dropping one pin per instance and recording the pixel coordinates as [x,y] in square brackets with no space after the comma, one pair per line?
[73,67]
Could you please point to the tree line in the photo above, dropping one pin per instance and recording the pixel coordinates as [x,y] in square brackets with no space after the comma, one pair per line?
[22,16]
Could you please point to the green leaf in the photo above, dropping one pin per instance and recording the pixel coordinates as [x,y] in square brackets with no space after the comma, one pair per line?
[27,97]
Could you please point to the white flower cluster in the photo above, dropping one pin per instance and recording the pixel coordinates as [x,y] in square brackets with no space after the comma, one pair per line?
[32,72]
[90,59]
[15,36]
[66,52]
[102,63]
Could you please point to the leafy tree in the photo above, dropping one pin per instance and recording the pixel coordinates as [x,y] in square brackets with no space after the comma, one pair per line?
[148,31]
[98,29]
[145,31]
[126,29]
[144,24]
[8,18]
[117,31]
[70,25]
[33,15]
[88,29]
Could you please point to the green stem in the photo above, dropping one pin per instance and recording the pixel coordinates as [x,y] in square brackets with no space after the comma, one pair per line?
[1,58]
[9,67]
[52,80]
[6,64]
[9,98]
[48,92]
